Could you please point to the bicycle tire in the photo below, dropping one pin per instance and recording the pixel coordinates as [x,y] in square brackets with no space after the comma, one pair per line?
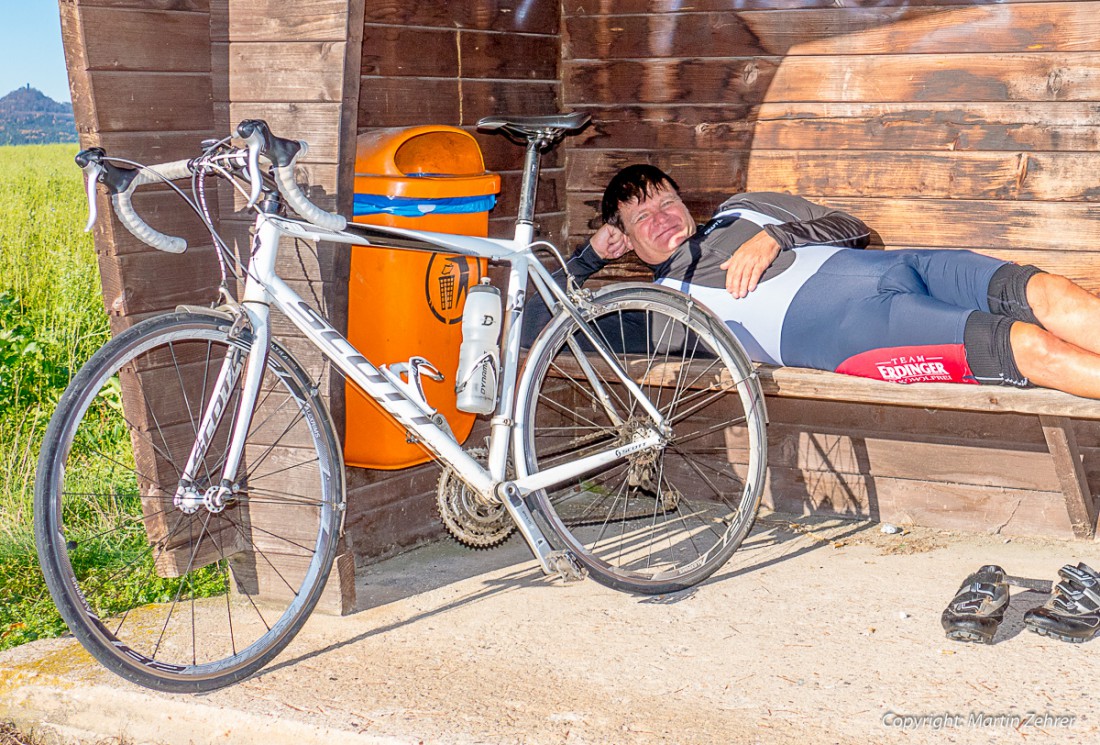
[659,522]
[176,602]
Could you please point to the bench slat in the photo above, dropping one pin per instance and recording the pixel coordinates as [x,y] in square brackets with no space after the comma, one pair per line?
[799,382]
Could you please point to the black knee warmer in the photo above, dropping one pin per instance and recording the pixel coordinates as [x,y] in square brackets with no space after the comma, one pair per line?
[986,339]
[1008,292]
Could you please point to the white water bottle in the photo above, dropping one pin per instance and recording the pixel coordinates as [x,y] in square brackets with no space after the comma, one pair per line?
[478,357]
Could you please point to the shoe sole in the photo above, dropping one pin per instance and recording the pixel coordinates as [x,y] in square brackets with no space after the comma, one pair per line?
[965,635]
[980,630]
[1055,635]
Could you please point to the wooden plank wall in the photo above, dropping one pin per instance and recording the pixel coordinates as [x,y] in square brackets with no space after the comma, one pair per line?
[292,65]
[296,65]
[151,80]
[440,62]
[151,104]
[946,124]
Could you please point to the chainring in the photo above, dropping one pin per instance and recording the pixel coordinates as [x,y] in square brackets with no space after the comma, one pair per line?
[468,520]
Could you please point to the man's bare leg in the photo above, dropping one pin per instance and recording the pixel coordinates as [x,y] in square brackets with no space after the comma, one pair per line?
[1066,310]
[1051,362]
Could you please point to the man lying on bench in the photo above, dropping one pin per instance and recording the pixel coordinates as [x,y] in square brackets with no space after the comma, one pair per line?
[787,277]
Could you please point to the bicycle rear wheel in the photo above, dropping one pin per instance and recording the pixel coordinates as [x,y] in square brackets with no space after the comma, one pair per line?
[660,521]
[170,598]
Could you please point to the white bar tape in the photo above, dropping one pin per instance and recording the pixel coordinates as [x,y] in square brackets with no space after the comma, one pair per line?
[129,217]
[301,204]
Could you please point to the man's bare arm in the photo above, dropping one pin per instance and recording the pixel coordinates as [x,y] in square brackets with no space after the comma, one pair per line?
[748,263]
[804,223]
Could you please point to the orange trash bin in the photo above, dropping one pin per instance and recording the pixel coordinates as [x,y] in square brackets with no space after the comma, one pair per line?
[405,303]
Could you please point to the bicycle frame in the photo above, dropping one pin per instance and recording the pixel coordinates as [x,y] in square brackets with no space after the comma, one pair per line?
[628,494]
[264,289]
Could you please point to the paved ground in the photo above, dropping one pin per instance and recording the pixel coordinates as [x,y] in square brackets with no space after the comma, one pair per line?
[818,633]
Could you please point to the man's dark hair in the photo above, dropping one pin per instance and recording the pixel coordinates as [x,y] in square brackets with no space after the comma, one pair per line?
[639,181]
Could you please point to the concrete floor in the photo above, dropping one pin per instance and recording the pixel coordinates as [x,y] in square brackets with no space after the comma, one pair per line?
[816,631]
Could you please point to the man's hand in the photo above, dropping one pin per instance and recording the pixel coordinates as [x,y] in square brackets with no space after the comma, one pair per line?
[748,263]
[610,243]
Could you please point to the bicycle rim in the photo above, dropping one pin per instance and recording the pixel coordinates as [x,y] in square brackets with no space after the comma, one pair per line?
[175,601]
[658,521]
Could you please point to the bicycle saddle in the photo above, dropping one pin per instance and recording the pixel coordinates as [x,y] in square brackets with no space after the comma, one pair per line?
[536,126]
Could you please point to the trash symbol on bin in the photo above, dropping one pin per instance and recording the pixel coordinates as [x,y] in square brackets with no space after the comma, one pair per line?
[445,285]
[447,288]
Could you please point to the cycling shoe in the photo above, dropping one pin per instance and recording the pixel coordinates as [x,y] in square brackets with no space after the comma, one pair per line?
[1073,612]
[978,607]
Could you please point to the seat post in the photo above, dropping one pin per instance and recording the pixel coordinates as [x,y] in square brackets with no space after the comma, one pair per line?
[530,185]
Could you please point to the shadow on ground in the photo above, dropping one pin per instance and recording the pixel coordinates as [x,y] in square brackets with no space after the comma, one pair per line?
[775,538]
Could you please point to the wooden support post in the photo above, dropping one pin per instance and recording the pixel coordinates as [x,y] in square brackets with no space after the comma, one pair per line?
[1080,504]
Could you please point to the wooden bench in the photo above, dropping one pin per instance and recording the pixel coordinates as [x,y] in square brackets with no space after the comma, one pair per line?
[1055,410]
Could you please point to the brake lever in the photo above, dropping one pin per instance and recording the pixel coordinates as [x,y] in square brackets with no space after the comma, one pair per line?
[256,141]
[90,161]
[92,172]
[255,146]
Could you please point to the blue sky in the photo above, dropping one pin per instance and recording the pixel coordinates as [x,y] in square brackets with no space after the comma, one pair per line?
[30,48]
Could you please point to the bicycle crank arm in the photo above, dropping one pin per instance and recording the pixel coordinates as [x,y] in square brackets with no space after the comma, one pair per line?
[553,563]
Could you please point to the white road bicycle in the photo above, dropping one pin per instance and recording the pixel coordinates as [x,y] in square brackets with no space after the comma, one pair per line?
[190,488]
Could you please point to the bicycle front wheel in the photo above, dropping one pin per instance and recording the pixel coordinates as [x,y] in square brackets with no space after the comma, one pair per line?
[656,521]
[178,596]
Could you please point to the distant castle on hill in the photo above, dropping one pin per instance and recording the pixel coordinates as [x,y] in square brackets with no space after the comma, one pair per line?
[30,117]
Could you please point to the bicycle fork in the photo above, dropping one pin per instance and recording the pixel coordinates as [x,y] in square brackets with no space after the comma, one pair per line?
[217,496]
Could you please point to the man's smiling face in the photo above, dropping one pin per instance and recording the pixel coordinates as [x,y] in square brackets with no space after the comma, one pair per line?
[657,224]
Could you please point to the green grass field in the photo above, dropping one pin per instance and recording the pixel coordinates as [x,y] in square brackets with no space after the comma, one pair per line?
[51,320]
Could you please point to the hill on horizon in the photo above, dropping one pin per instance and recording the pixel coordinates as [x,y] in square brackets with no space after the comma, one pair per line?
[30,117]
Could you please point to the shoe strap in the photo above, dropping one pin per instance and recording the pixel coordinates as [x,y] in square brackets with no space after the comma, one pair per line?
[1074,599]
[1082,577]
[1040,585]
[984,588]
[974,597]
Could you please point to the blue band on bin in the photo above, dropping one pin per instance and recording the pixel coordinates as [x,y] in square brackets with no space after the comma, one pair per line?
[374,204]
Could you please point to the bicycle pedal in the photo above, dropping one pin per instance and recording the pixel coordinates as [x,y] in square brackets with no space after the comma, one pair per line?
[565,566]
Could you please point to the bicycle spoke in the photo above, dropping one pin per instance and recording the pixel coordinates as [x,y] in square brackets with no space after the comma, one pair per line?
[284,469]
[577,387]
[175,600]
[710,429]
[708,397]
[281,498]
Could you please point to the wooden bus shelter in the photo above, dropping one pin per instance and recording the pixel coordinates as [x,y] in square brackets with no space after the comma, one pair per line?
[941,123]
